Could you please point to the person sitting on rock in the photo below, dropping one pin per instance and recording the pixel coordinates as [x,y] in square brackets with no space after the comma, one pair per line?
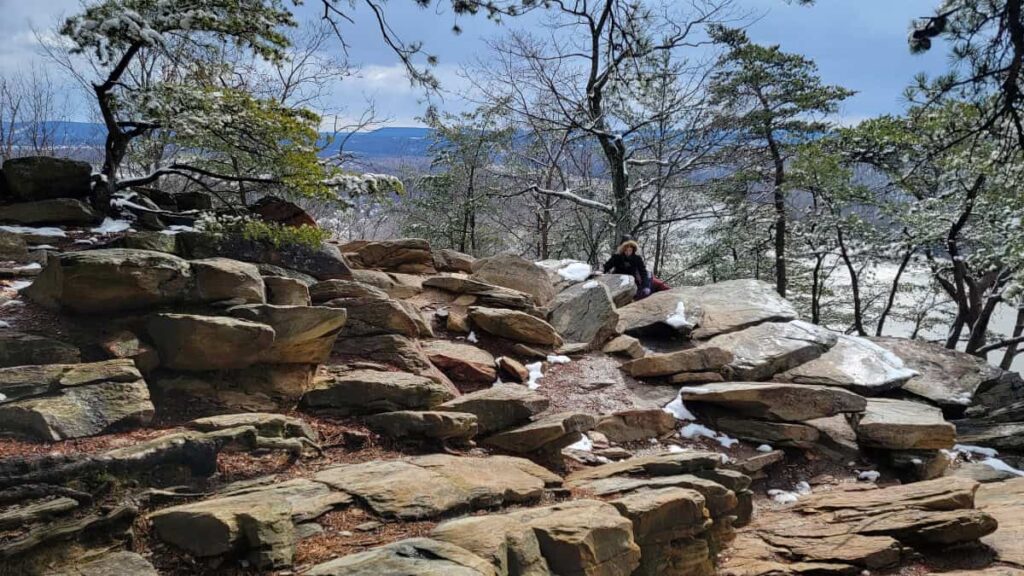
[627,260]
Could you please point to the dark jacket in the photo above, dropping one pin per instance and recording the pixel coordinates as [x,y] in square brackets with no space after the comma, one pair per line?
[630,265]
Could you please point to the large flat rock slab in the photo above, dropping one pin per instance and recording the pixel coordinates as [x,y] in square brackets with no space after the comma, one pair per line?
[60,401]
[734,305]
[703,360]
[462,362]
[904,425]
[1005,502]
[419,556]
[431,486]
[778,402]
[584,313]
[661,313]
[855,363]
[373,391]
[499,407]
[945,377]
[515,325]
[516,273]
[767,349]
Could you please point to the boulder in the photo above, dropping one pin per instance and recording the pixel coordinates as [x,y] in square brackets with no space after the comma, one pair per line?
[485,294]
[155,241]
[946,377]
[626,346]
[125,344]
[399,352]
[548,433]
[447,260]
[259,522]
[302,334]
[1004,501]
[33,178]
[855,363]
[663,515]
[370,316]
[370,391]
[767,349]
[788,434]
[512,370]
[110,280]
[633,425]
[60,401]
[281,211]
[13,247]
[578,538]
[463,363]
[223,279]
[733,305]
[21,349]
[705,359]
[662,464]
[260,387]
[515,325]
[777,402]
[584,313]
[621,287]
[410,255]
[662,313]
[57,211]
[333,289]
[425,487]
[509,545]
[323,262]
[268,425]
[836,435]
[197,343]
[430,425]
[499,407]
[114,563]
[286,291]
[815,534]
[904,425]
[516,273]
[419,556]
[1006,436]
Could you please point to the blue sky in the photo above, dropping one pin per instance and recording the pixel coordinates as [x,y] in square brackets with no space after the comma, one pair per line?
[859,44]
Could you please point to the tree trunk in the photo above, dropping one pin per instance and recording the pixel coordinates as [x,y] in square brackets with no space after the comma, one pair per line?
[892,292]
[1011,350]
[858,312]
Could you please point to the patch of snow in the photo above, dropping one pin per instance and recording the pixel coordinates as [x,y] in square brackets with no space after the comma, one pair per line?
[979,450]
[916,461]
[694,390]
[675,448]
[4,324]
[44,231]
[694,430]
[584,444]
[535,375]
[677,319]
[43,247]
[997,464]
[868,476]
[2,397]
[591,284]
[175,228]
[678,409]
[85,241]
[20,284]
[626,281]
[764,448]
[558,359]
[575,272]
[12,304]
[111,226]
[28,267]
[472,337]
[783,497]
[802,488]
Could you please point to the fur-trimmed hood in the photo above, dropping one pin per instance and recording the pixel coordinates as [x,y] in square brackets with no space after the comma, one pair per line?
[629,244]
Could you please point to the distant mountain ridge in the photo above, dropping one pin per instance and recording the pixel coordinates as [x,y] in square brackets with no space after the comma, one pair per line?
[381,143]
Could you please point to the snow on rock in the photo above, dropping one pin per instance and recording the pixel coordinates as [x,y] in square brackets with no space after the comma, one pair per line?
[675,448]
[591,284]
[558,359]
[42,231]
[112,226]
[626,281]
[535,375]
[176,228]
[783,497]
[764,448]
[43,247]
[695,430]
[472,338]
[677,319]
[997,464]
[678,409]
[802,488]
[868,475]
[4,324]
[584,444]
[28,267]
[19,284]
[575,272]
[979,450]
